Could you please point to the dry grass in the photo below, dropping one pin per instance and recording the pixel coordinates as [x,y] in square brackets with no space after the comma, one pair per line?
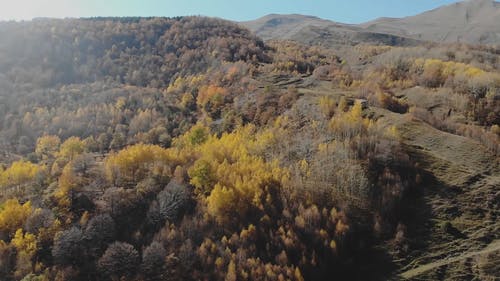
[463,201]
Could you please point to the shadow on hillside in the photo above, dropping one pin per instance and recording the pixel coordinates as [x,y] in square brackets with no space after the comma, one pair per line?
[389,258]
[420,218]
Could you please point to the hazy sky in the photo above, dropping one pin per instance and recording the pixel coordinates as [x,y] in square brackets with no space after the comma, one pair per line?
[349,11]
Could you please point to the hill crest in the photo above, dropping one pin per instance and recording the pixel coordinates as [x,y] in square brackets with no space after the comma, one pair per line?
[470,21]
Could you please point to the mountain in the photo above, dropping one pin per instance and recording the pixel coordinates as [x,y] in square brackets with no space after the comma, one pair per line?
[473,21]
[313,30]
[284,26]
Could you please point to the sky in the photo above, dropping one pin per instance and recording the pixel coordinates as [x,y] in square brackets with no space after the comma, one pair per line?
[348,11]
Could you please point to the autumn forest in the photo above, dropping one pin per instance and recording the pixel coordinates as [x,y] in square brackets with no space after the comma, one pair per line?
[189,149]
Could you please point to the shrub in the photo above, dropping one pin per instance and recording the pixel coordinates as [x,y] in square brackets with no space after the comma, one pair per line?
[391,103]
[153,261]
[68,247]
[99,232]
[120,260]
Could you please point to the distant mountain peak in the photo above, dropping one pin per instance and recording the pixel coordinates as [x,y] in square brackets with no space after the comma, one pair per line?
[474,4]
[479,2]
[290,16]
[470,21]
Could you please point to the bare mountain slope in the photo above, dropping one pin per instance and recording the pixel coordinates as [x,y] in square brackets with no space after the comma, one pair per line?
[283,26]
[471,21]
[313,30]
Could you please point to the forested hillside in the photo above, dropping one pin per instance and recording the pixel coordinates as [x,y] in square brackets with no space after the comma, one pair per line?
[66,77]
[189,149]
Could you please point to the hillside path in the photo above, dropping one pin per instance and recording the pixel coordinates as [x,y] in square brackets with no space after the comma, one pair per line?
[493,247]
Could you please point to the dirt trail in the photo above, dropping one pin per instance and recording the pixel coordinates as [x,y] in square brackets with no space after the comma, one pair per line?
[493,247]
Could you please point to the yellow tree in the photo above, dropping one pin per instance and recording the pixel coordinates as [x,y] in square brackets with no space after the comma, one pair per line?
[202,177]
[71,148]
[20,172]
[231,272]
[26,246]
[197,135]
[68,181]
[327,106]
[349,124]
[229,173]
[136,162]
[13,215]
[47,146]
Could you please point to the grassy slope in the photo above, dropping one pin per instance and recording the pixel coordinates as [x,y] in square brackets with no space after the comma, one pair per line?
[454,234]
[459,208]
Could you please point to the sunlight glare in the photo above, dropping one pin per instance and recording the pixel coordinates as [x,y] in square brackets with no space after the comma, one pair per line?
[29,9]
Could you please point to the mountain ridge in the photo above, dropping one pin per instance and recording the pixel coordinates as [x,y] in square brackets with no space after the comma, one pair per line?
[471,21]
[316,31]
